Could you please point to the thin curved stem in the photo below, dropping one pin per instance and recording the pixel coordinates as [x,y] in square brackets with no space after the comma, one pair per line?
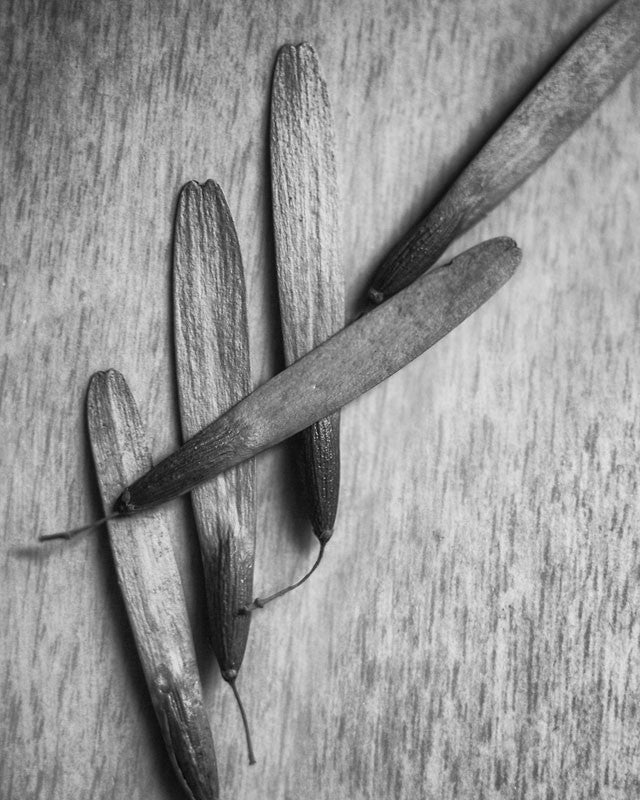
[245,721]
[46,537]
[261,602]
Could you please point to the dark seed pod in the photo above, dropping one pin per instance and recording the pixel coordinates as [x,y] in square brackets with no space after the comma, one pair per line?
[348,364]
[319,455]
[562,100]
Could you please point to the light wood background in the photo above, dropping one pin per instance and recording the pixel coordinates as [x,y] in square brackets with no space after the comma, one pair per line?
[474,630]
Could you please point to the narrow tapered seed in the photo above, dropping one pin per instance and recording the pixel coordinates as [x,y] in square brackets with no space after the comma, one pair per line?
[213,370]
[309,268]
[561,101]
[150,584]
[348,364]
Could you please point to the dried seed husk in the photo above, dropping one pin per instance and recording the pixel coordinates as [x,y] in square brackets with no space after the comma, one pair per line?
[213,371]
[150,584]
[348,364]
[310,279]
[308,259]
[561,101]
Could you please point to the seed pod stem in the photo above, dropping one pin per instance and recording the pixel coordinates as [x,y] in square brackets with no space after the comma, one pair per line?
[46,537]
[214,373]
[261,602]
[245,721]
[561,101]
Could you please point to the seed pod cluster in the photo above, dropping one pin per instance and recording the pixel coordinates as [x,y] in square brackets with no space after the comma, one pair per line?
[316,386]
[328,365]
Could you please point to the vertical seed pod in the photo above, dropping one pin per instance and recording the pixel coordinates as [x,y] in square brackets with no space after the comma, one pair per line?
[213,370]
[561,101]
[150,584]
[309,264]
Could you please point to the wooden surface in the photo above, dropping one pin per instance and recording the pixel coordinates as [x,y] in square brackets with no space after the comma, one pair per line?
[473,630]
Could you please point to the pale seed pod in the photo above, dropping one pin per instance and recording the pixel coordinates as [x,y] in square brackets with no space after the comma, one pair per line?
[151,587]
[212,364]
[309,264]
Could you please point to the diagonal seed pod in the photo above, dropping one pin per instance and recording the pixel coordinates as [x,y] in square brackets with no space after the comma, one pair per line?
[150,584]
[309,268]
[348,364]
[561,101]
[213,370]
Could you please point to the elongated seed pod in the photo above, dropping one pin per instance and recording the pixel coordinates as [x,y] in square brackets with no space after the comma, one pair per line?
[348,364]
[310,278]
[309,265]
[150,584]
[213,371]
[562,100]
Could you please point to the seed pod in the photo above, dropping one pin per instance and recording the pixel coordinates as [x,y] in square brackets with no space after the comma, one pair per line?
[562,100]
[150,584]
[212,364]
[345,366]
[310,277]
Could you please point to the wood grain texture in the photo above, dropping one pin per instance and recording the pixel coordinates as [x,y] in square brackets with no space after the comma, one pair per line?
[308,254]
[335,373]
[213,370]
[563,99]
[473,630]
[150,584]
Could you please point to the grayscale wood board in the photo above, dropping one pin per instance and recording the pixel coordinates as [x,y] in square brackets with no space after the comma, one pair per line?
[473,629]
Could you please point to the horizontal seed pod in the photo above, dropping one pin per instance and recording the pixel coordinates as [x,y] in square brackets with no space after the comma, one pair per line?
[345,366]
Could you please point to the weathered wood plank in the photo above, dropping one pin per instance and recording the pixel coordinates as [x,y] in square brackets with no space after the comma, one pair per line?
[473,630]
